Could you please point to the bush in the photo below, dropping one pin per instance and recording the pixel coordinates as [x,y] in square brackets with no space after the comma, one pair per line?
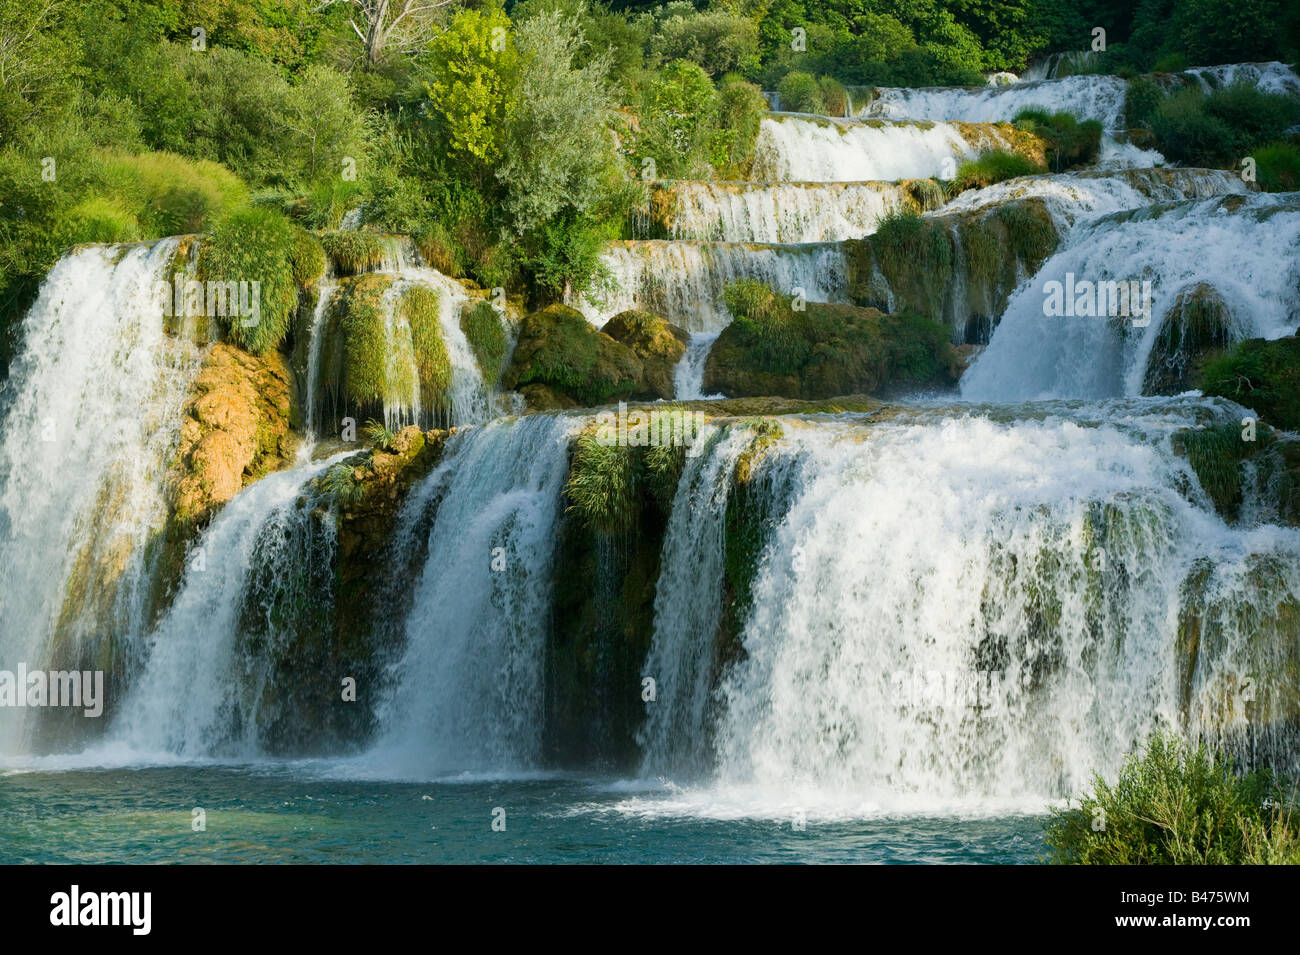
[800,93]
[353,252]
[254,245]
[307,257]
[419,307]
[992,167]
[1262,375]
[1141,100]
[677,116]
[365,342]
[835,99]
[1177,805]
[741,107]
[1069,141]
[1277,167]
[718,40]
[1220,128]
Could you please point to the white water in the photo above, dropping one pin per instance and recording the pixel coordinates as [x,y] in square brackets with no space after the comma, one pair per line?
[1076,195]
[1271,77]
[688,376]
[326,289]
[1085,97]
[684,281]
[688,607]
[91,413]
[199,692]
[468,688]
[954,611]
[1250,256]
[780,212]
[795,148]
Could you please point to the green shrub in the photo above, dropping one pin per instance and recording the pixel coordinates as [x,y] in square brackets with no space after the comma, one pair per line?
[908,244]
[800,93]
[100,219]
[835,99]
[1141,100]
[353,251]
[1262,375]
[328,200]
[993,167]
[254,245]
[603,483]
[1277,167]
[440,251]
[365,342]
[1254,115]
[173,194]
[1220,128]
[419,306]
[1177,805]
[740,113]
[1069,141]
[486,332]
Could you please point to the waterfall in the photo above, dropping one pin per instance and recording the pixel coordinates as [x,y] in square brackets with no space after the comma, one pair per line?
[1074,195]
[684,281]
[91,414]
[1270,77]
[688,376]
[1086,97]
[779,212]
[688,607]
[468,688]
[326,289]
[210,660]
[951,610]
[793,147]
[1243,247]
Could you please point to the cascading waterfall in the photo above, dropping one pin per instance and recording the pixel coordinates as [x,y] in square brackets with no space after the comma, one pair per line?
[468,688]
[684,282]
[958,609]
[91,413]
[780,212]
[798,148]
[200,691]
[326,289]
[1271,77]
[1086,97]
[688,607]
[1243,247]
[688,376]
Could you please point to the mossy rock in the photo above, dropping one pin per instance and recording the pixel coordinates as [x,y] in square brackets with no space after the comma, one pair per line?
[419,306]
[485,330]
[658,343]
[369,378]
[235,430]
[1197,327]
[560,349]
[1262,375]
[826,350]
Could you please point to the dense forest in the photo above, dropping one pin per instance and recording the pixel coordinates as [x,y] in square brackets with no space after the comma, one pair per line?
[510,141]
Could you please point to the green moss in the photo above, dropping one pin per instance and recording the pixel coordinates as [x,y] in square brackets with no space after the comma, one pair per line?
[1216,454]
[823,351]
[1070,142]
[1262,375]
[485,330]
[363,326]
[558,348]
[1277,167]
[915,255]
[352,251]
[419,307]
[659,344]
[440,251]
[1030,232]
[254,245]
[923,195]
[1198,326]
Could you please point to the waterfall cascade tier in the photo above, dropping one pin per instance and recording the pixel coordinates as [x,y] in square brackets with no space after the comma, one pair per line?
[1245,248]
[684,282]
[957,607]
[1086,97]
[794,147]
[789,212]
[91,414]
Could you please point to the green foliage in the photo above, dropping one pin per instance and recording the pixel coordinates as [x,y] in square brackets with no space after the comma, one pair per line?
[1031,232]
[366,375]
[1221,127]
[740,112]
[1177,805]
[439,250]
[677,110]
[380,435]
[1215,454]
[353,251]
[992,167]
[307,258]
[907,243]
[1069,141]
[254,245]
[1141,100]
[419,307]
[1262,375]
[602,484]
[1277,167]
[719,40]
[486,332]
[340,482]
[800,93]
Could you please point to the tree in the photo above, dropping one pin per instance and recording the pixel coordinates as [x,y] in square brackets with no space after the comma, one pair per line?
[390,27]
